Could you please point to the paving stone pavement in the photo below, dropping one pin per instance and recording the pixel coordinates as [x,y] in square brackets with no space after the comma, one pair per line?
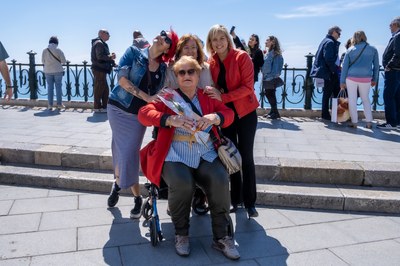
[40,226]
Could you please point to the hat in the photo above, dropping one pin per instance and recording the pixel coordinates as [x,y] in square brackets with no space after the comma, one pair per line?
[137,34]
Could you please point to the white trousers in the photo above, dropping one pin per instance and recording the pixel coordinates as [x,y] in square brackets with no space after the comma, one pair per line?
[363,89]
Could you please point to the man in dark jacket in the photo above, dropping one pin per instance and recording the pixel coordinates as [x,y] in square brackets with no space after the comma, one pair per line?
[325,67]
[102,64]
[391,90]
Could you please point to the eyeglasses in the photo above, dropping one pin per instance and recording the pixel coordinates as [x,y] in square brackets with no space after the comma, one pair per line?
[106,32]
[338,33]
[167,39]
[183,72]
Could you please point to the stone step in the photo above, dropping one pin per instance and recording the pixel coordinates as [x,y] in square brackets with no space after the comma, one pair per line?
[301,195]
[267,169]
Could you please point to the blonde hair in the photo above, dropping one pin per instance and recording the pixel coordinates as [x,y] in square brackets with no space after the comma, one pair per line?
[186,60]
[359,36]
[214,31]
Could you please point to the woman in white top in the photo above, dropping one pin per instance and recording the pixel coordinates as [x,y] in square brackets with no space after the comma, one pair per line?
[52,59]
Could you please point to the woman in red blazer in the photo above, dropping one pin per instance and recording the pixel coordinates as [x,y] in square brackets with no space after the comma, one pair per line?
[183,162]
[233,74]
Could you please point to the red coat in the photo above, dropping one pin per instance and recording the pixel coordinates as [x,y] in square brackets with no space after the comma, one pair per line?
[152,156]
[239,80]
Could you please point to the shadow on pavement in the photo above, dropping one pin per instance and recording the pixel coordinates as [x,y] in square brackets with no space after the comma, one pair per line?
[277,123]
[388,135]
[46,113]
[254,241]
[97,118]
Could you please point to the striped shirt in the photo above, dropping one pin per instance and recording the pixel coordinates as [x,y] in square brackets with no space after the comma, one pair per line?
[190,154]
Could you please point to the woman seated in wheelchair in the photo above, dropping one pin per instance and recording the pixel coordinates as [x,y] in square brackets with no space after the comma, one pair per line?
[183,162]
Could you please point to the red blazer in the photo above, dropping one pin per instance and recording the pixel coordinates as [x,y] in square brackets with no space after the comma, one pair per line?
[239,80]
[153,155]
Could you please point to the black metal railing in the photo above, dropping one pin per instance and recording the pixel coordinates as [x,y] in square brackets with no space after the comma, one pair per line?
[29,79]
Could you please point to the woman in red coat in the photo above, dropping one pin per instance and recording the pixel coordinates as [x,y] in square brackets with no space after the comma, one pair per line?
[233,74]
[183,162]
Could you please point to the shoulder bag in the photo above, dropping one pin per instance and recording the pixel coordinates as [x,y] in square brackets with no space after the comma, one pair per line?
[358,56]
[227,151]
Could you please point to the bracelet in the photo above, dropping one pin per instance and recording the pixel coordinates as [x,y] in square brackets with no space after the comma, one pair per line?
[9,86]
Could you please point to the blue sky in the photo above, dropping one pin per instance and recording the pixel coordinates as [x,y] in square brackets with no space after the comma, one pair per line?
[299,25]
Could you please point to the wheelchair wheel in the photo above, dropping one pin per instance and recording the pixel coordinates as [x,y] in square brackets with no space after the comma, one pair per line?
[199,203]
[153,231]
[147,209]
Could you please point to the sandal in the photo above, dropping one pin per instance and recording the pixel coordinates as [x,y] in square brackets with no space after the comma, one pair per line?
[368,125]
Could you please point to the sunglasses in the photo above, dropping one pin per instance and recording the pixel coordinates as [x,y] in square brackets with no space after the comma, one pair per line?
[167,39]
[183,72]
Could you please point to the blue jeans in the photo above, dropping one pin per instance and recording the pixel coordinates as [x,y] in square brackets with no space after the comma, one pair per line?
[391,97]
[54,78]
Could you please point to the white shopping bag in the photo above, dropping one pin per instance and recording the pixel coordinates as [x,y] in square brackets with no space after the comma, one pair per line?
[334,111]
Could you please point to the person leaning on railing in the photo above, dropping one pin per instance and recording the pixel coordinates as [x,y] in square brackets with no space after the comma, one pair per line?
[5,73]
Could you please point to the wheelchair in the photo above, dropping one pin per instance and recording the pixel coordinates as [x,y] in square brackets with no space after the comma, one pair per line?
[150,213]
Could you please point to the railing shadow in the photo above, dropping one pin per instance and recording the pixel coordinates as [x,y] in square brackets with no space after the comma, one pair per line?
[276,123]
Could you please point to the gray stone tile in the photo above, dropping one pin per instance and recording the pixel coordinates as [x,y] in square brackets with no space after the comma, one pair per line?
[23,245]
[164,254]
[16,262]
[80,218]
[311,237]
[100,200]
[22,193]
[374,253]
[368,229]
[44,204]
[62,192]
[267,219]
[304,216]
[114,235]
[106,256]
[5,206]
[19,223]
[310,258]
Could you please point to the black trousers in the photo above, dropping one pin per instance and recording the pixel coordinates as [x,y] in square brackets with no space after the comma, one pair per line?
[100,90]
[331,86]
[213,179]
[243,184]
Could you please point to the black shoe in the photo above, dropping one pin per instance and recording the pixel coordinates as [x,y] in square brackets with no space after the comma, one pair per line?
[136,212]
[385,126]
[326,117]
[274,116]
[234,208]
[252,212]
[114,195]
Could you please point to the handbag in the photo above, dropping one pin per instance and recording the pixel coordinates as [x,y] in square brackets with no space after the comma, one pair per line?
[227,151]
[229,154]
[340,108]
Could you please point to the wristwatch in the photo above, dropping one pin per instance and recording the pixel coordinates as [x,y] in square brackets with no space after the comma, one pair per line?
[9,86]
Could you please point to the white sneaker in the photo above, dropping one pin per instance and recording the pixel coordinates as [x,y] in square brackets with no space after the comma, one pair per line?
[227,246]
[60,106]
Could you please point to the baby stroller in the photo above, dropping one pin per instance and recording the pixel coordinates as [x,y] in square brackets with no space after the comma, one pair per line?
[150,213]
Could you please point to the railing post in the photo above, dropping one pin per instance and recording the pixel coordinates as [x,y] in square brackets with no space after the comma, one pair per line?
[85,82]
[308,84]
[33,86]
[68,87]
[14,78]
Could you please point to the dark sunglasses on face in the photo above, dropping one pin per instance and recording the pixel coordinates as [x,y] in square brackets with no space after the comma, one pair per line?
[167,39]
[183,72]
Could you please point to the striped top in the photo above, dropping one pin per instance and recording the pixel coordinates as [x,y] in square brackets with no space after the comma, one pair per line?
[190,155]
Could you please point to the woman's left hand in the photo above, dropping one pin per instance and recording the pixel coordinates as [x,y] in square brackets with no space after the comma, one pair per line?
[213,93]
[343,86]
[208,120]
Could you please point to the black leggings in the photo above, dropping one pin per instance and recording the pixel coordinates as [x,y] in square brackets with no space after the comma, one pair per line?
[242,133]
[271,96]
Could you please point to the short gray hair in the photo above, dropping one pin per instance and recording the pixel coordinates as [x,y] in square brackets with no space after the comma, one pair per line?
[333,29]
[396,21]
